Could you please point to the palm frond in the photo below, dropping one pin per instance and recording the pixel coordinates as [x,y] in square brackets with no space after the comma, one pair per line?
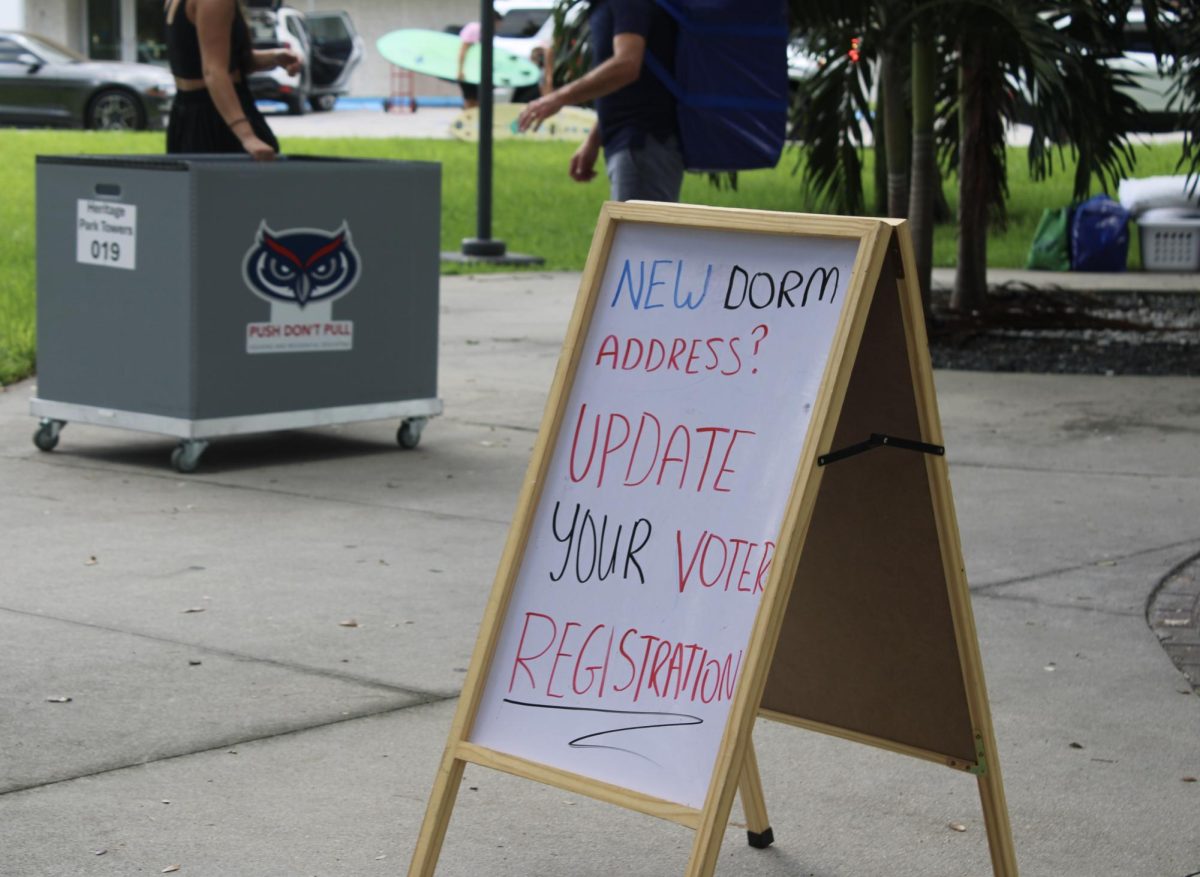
[572,41]
[835,113]
[1185,91]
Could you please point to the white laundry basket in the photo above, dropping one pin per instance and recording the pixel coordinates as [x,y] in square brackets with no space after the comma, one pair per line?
[1170,239]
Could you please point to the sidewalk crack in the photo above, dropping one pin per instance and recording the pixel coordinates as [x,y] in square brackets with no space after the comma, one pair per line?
[209,481]
[229,742]
[989,587]
[420,695]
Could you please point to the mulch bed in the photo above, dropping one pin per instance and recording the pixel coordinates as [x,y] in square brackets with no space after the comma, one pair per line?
[1070,333]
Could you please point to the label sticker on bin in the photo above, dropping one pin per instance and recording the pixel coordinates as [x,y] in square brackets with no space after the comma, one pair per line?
[106,234]
[301,272]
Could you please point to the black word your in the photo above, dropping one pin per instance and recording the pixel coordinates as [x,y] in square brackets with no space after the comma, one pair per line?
[596,551]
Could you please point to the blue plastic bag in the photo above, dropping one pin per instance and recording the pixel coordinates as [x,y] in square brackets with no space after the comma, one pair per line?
[1099,235]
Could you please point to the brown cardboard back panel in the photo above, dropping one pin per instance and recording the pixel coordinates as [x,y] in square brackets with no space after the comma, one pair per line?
[868,643]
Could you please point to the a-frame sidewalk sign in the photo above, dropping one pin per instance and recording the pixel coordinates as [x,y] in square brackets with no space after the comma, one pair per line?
[738,505]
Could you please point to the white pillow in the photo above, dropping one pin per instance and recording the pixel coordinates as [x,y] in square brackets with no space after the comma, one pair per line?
[1138,196]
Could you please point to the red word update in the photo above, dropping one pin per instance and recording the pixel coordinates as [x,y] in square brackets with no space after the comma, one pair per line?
[686,460]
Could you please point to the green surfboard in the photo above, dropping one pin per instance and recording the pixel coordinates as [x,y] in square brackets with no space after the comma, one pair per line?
[436,54]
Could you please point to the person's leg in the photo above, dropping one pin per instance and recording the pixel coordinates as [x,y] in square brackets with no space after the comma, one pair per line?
[622,175]
[651,172]
[660,169]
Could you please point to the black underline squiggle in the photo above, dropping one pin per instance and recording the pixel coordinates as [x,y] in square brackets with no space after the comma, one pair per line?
[684,721]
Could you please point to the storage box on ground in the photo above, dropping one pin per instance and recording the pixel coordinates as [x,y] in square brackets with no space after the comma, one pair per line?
[201,296]
[1170,239]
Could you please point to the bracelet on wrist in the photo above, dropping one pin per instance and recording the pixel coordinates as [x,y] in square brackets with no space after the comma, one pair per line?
[240,119]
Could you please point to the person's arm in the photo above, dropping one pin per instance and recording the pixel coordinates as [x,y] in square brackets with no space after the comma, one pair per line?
[624,67]
[269,59]
[583,162]
[547,84]
[462,56]
[214,22]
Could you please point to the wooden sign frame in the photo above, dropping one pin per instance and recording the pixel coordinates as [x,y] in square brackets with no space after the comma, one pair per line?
[872,482]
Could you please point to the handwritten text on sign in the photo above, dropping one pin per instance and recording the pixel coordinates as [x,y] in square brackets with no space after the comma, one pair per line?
[656,527]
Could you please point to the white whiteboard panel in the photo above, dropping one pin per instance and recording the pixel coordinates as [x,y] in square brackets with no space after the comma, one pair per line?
[654,531]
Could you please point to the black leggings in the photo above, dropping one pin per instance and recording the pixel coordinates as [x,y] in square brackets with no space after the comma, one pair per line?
[196,125]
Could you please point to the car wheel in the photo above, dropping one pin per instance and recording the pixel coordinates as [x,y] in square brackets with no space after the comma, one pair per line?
[322,103]
[115,109]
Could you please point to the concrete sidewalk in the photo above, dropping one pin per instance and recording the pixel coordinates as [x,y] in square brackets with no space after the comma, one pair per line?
[262,659]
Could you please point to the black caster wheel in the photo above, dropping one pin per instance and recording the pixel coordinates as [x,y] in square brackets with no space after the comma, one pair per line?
[46,437]
[409,434]
[186,456]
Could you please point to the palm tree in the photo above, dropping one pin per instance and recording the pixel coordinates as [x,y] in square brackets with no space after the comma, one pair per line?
[833,103]
[1004,57]
[894,99]
[975,67]
[924,180]
[1175,29]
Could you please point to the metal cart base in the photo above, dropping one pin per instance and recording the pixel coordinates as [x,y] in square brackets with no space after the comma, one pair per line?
[194,435]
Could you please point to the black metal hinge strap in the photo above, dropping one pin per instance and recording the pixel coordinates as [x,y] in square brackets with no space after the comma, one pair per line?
[879,440]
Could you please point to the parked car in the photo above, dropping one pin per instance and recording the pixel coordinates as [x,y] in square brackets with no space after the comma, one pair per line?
[327,43]
[1150,86]
[524,25]
[45,84]
[1149,83]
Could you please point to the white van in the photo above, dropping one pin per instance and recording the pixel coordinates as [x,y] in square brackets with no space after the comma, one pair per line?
[327,43]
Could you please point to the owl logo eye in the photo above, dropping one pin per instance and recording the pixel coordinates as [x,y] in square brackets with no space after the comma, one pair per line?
[301,265]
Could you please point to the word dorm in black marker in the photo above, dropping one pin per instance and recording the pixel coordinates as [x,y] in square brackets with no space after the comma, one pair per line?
[762,290]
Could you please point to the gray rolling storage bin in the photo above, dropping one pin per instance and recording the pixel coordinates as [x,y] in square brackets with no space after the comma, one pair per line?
[205,296]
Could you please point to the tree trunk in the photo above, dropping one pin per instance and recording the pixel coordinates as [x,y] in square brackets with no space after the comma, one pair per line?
[880,175]
[896,127]
[925,180]
[970,280]
[941,206]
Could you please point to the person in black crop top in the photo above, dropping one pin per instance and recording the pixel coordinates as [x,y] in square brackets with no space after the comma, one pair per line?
[208,45]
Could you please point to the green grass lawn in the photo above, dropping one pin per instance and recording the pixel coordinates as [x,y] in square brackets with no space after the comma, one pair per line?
[536,207]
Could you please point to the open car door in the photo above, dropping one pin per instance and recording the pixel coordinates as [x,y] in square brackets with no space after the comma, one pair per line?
[337,50]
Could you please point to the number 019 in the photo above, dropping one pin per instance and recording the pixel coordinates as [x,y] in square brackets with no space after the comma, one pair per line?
[106,251]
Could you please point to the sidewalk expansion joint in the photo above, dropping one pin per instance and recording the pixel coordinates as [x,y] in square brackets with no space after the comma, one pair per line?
[1053,604]
[227,743]
[512,427]
[208,481]
[1053,470]
[417,695]
[987,589]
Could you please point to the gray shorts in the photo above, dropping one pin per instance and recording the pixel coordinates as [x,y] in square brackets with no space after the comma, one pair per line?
[651,172]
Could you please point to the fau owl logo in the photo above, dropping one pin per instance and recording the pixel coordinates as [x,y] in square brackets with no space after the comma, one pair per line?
[301,265]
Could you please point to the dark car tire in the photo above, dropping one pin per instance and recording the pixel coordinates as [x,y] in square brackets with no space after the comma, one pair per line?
[115,109]
[322,103]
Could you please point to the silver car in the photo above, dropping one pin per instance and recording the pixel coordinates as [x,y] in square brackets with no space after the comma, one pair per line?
[43,83]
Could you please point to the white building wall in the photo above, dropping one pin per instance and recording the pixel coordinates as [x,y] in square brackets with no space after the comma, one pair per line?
[60,20]
[12,14]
